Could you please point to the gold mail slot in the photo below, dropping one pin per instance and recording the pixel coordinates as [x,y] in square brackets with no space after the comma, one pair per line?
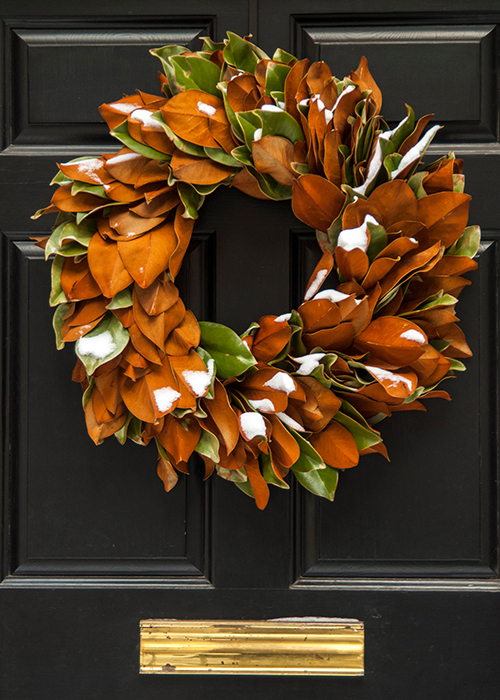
[289,646]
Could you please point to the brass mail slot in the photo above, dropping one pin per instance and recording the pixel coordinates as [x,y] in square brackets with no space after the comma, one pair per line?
[291,646]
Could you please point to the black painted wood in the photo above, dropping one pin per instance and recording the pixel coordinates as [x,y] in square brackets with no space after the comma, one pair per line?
[90,542]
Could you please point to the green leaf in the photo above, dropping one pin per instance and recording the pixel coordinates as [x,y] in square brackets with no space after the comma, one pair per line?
[220,156]
[244,486]
[198,72]
[432,303]
[122,300]
[164,54]
[378,240]
[309,459]
[363,435]
[57,323]
[61,178]
[72,250]
[230,114]
[230,353]
[211,45]
[191,199]
[268,472]
[468,243]
[269,186]
[283,56]
[249,122]
[279,124]
[415,182]
[321,482]
[240,54]
[102,344]
[96,190]
[134,431]
[121,435]
[403,129]
[208,445]
[122,134]
[456,365]
[276,75]
[57,296]
[242,155]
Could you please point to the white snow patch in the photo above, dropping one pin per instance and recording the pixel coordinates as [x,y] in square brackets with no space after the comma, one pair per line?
[141,270]
[385,375]
[305,102]
[145,117]
[290,422]
[328,115]
[282,382]
[252,424]
[315,284]
[206,109]
[319,102]
[271,108]
[98,346]
[211,368]
[351,238]
[387,134]
[413,240]
[125,107]
[373,168]
[283,317]
[265,405]
[308,362]
[257,135]
[332,295]
[281,105]
[197,380]
[165,398]
[415,152]
[121,158]
[415,335]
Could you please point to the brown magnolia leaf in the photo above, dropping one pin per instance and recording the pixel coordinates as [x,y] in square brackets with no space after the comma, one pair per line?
[258,483]
[82,201]
[243,93]
[273,155]
[336,446]
[199,171]
[352,264]
[107,267]
[90,170]
[145,347]
[392,339]
[445,215]
[321,272]
[126,166]
[318,75]
[316,201]
[184,336]
[339,338]
[221,412]
[153,396]
[158,297]
[440,179]
[191,371]
[333,160]
[318,314]
[77,281]
[180,436]
[284,447]
[190,114]
[161,204]
[271,337]
[148,256]
[327,402]
[99,431]
[129,225]
[398,384]
[183,227]
[293,79]
[167,473]
[364,79]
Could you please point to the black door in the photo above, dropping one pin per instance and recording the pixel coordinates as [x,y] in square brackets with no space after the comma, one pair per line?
[91,543]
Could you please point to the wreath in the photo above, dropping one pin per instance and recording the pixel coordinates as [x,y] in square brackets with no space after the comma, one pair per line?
[297,392]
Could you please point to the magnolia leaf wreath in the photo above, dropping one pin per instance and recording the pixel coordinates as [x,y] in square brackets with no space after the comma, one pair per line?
[298,392]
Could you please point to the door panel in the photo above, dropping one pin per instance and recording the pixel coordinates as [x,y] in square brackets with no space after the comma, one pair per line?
[91,544]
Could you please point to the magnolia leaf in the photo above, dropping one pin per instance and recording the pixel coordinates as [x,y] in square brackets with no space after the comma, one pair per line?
[284,56]
[309,458]
[179,143]
[57,323]
[468,243]
[208,445]
[240,54]
[191,199]
[378,240]
[97,190]
[321,482]
[122,300]
[268,472]
[102,344]
[363,436]
[250,125]
[122,134]
[121,435]
[279,124]
[57,295]
[211,369]
[220,156]
[164,54]
[196,73]
[276,75]
[230,353]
